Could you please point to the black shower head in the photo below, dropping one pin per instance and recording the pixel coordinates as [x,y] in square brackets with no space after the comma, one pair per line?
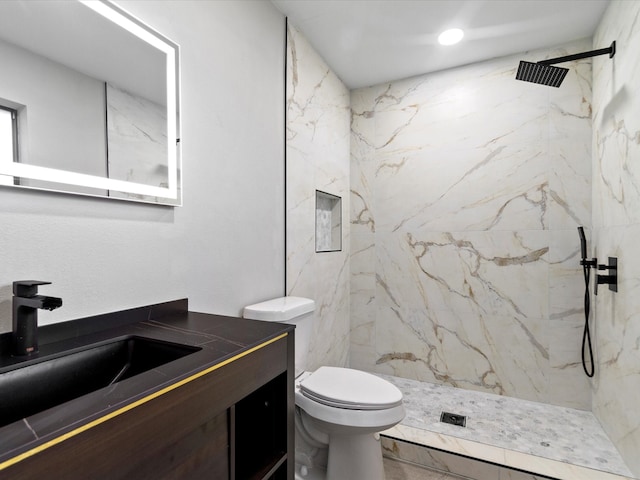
[542,74]
[545,73]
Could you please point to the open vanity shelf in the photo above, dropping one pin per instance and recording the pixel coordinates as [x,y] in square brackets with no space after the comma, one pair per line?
[258,441]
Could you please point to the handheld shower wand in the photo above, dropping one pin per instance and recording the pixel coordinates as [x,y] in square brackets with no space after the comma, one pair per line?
[583,244]
[586,335]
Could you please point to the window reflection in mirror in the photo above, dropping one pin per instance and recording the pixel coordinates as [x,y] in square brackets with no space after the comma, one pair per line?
[8,134]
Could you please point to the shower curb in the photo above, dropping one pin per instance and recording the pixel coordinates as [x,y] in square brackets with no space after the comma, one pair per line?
[497,457]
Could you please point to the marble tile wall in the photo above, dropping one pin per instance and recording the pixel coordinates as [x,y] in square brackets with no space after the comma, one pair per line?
[616,226]
[136,124]
[466,190]
[317,149]
[450,463]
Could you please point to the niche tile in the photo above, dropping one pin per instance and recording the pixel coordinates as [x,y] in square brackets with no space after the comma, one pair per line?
[328,222]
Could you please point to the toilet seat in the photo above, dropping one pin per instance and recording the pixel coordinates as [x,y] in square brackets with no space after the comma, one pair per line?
[350,389]
[331,417]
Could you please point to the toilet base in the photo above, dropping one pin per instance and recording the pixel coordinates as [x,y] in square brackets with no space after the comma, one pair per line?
[355,457]
[351,457]
[310,473]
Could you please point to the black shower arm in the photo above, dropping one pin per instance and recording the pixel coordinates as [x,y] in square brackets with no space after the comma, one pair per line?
[593,53]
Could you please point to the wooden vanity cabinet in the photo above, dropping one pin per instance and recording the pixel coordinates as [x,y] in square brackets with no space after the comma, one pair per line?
[233,422]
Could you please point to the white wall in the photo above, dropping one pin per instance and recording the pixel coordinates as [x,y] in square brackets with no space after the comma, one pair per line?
[224,248]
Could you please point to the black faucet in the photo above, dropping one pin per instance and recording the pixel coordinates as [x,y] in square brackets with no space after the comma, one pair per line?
[26,303]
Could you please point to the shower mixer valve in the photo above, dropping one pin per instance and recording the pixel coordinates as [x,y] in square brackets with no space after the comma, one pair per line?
[612,278]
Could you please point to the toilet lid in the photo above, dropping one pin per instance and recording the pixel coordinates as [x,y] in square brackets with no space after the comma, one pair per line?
[350,389]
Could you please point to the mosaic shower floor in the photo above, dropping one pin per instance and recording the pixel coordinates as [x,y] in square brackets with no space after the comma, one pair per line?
[544,439]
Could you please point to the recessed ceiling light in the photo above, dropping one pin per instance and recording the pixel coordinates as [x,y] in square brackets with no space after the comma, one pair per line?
[450,37]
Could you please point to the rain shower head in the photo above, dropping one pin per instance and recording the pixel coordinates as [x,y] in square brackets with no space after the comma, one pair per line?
[542,74]
[545,73]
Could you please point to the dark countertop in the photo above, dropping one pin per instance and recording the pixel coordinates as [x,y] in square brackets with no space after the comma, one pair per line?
[218,337]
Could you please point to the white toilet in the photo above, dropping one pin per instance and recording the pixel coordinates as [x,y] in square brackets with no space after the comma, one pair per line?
[339,411]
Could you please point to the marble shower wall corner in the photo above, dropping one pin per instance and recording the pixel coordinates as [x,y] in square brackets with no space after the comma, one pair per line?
[466,190]
[317,149]
[139,125]
[616,226]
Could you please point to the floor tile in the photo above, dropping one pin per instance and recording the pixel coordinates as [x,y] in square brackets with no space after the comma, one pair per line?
[538,430]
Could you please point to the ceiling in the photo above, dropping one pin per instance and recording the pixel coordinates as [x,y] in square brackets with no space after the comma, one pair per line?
[367,42]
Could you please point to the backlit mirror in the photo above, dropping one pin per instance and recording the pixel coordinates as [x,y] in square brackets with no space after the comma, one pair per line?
[89,102]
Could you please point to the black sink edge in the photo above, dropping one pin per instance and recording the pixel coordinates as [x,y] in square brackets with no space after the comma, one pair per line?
[57,332]
[63,350]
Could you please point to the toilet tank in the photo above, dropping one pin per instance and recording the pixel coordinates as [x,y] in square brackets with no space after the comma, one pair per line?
[297,311]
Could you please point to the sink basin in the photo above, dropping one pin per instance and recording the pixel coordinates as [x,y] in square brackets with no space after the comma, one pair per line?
[39,386]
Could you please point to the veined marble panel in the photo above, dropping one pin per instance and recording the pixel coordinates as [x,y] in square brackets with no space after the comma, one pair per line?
[318,136]
[616,218]
[486,353]
[484,273]
[570,148]
[362,164]
[136,127]
[468,107]
[439,460]
[449,188]
[616,119]
[363,288]
[467,186]
[616,326]
[568,385]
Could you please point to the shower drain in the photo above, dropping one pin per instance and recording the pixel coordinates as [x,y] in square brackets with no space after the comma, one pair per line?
[453,419]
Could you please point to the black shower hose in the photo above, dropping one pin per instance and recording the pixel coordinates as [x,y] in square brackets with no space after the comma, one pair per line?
[586,336]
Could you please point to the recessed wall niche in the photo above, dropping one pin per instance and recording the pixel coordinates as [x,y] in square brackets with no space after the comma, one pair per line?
[328,222]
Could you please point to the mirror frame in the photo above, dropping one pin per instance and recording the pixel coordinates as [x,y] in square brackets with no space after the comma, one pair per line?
[172,194]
